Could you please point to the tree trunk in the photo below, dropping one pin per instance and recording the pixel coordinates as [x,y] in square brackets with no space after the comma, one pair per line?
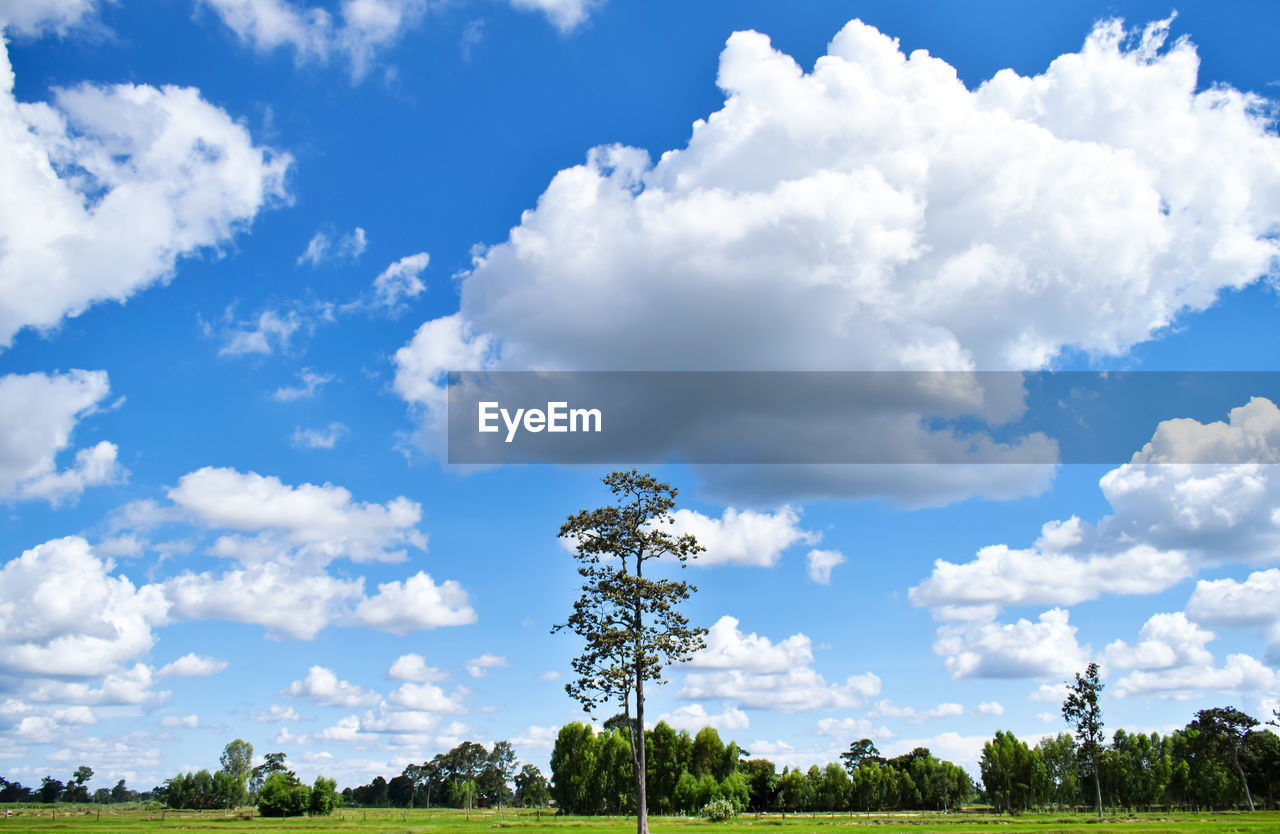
[1247,795]
[1097,783]
[637,744]
[642,798]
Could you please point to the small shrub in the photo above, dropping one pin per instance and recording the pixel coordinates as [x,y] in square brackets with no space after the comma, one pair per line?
[718,810]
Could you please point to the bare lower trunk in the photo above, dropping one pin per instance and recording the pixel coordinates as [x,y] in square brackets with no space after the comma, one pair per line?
[637,731]
[1244,781]
[1097,784]
[638,759]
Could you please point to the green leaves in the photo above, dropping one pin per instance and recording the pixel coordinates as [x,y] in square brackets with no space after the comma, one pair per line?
[630,623]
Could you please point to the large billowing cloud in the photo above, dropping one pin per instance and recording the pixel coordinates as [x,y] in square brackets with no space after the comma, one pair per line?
[104,189]
[38,414]
[874,213]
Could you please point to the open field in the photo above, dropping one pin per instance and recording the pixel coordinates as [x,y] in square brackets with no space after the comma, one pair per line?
[373,821]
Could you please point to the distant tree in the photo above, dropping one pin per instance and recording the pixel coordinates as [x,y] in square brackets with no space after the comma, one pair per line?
[227,793]
[795,791]
[75,790]
[1008,768]
[1083,712]
[378,793]
[832,789]
[1225,728]
[202,786]
[501,764]
[708,752]
[1260,755]
[572,763]
[532,790]
[630,622]
[400,792]
[324,797]
[50,789]
[237,763]
[467,760]
[282,795]
[273,763]
[860,751]
[664,761]
[684,798]
[14,792]
[431,776]
[120,793]
[762,781]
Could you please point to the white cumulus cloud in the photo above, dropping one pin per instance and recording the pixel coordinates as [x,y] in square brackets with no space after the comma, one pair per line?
[63,611]
[105,189]
[323,688]
[821,563]
[728,647]
[1168,521]
[38,415]
[31,18]
[743,537]
[192,665]
[414,604]
[413,667]
[364,28]
[478,667]
[693,717]
[1248,604]
[1022,649]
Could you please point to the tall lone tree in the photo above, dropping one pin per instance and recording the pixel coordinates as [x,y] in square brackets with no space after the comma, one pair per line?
[1083,712]
[630,622]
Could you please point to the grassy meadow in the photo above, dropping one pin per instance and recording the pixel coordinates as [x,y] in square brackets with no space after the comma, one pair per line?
[447,821]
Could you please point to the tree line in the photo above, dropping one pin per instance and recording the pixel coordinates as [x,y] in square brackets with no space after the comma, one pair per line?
[467,776]
[1218,760]
[272,787]
[591,774]
[1221,759]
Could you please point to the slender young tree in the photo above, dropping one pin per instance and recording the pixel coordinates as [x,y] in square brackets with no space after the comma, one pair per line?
[630,622]
[1083,712]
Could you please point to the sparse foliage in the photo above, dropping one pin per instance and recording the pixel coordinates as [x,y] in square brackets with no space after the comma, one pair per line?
[1083,712]
[630,622]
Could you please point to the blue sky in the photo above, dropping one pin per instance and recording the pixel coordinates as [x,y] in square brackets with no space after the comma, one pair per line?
[244,239]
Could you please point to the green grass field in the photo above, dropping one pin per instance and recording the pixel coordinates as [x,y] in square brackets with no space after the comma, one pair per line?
[372,821]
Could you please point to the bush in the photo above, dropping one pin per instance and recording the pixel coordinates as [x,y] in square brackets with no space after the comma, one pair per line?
[718,810]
